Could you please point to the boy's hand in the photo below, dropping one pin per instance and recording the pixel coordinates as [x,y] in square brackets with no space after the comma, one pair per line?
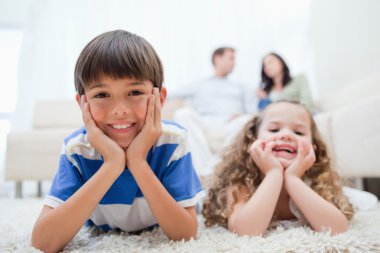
[108,148]
[261,153]
[151,131]
[304,160]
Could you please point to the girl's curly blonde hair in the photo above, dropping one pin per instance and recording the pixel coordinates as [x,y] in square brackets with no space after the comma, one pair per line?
[238,169]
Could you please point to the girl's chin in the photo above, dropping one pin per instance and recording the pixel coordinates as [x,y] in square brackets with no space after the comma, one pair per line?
[285,162]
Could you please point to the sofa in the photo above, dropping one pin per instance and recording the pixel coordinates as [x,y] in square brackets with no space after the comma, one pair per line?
[349,123]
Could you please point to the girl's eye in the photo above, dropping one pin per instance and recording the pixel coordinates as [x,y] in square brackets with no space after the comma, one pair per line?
[101,95]
[274,130]
[135,93]
[299,133]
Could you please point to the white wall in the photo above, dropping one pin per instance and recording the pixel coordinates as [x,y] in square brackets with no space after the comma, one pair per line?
[14,12]
[346,41]
[344,38]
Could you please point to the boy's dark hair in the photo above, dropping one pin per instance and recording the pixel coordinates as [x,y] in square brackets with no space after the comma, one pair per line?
[219,52]
[117,54]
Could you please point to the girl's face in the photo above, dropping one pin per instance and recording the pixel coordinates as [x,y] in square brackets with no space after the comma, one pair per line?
[272,66]
[288,126]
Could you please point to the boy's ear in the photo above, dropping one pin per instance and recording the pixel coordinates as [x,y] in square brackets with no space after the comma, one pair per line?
[163,94]
[77,98]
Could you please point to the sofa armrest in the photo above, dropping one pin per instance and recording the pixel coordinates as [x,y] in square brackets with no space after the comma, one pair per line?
[355,131]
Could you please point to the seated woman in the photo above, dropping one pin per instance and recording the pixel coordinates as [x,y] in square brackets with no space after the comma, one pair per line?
[277,84]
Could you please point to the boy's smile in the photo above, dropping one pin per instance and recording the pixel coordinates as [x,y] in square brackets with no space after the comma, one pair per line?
[119,107]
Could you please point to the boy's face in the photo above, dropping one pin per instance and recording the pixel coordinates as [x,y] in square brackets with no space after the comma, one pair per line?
[119,107]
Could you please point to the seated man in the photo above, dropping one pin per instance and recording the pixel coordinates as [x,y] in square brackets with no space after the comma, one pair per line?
[218,106]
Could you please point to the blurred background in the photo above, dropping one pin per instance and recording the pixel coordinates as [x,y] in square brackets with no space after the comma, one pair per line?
[332,42]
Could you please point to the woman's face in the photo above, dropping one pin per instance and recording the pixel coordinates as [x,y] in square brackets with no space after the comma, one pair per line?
[272,66]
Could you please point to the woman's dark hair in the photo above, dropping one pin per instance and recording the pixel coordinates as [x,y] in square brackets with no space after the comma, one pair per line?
[267,82]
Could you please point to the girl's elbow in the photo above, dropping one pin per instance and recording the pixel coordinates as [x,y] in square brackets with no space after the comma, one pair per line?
[241,231]
[335,229]
[341,228]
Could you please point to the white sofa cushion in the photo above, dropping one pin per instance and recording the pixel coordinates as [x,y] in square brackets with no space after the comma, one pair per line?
[356,138]
[34,154]
[61,113]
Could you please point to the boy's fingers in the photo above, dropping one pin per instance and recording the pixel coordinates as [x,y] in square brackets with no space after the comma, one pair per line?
[150,111]
[157,108]
[88,121]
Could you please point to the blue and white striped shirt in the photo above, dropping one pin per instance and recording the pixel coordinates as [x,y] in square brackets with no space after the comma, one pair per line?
[124,205]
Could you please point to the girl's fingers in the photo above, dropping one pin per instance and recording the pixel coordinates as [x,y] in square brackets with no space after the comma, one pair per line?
[269,147]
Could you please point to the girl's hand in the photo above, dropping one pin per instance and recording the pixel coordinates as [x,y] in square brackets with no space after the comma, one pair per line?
[304,160]
[151,131]
[108,148]
[261,153]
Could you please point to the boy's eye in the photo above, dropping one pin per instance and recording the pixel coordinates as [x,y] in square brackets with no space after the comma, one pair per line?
[273,130]
[101,95]
[299,133]
[135,93]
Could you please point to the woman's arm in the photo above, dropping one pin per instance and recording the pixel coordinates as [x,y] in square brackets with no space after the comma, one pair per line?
[253,217]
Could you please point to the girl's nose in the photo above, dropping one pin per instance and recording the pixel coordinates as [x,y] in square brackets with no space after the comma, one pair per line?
[285,135]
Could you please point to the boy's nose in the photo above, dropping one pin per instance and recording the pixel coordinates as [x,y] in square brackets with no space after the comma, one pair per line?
[121,109]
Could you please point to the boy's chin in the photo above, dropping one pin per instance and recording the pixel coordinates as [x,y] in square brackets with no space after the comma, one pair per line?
[124,144]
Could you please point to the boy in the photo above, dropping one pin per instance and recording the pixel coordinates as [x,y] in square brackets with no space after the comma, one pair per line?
[125,169]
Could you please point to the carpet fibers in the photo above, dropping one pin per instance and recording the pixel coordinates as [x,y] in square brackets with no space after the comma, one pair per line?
[18,216]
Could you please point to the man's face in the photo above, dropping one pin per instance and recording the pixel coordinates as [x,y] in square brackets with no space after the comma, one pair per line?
[119,107]
[225,63]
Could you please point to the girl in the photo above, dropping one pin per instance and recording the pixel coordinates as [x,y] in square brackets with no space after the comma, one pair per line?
[277,169]
[277,83]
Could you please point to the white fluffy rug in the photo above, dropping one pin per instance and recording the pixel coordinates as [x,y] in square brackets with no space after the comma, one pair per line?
[17,218]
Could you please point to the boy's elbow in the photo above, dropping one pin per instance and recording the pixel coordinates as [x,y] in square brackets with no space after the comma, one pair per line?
[186,236]
[45,247]
[42,244]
